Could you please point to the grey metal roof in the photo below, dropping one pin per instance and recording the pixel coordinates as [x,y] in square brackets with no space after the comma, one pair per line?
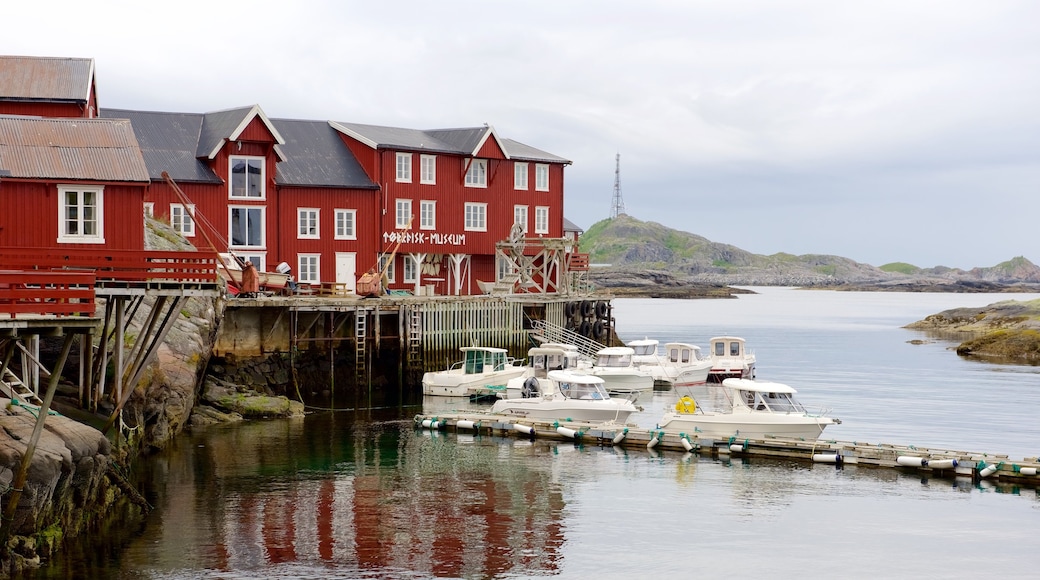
[46,78]
[569,226]
[398,138]
[218,126]
[81,149]
[518,150]
[169,142]
[316,156]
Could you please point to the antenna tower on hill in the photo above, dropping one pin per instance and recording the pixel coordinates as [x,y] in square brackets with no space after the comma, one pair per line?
[617,205]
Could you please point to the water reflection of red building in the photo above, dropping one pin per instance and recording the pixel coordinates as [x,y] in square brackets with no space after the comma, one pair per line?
[436,517]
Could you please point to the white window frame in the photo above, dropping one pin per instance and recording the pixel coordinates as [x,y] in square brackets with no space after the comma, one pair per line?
[475,217]
[520,171]
[346,224]
[185,227]
[476,175]
[520,216]
[402,213]
[263,225]
[504,268]
[308,224]
[428,169]
[404,167]
[258,260]
[308,268]
[541,177]
[541,219]
[411,270]
[427,214]
[391,270]
[65,216]
[249,160]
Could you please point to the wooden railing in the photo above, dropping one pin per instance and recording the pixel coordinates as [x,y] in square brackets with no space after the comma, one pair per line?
[578,262]
[47,293]
[130,266]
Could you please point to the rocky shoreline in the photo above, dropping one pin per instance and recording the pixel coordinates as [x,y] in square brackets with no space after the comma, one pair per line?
[1007,332]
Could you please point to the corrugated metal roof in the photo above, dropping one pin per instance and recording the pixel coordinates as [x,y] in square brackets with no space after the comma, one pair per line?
[46,78]
[218,126]
[569,226]
[399,138]
[316,156]
[518,150]
[82,149]
[169,142]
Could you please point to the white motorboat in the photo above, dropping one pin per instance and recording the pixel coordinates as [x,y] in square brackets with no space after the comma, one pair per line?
[614,365]
[540,360]
[730,359]
[480,369]
[680,366]
[565,395]
[744,408]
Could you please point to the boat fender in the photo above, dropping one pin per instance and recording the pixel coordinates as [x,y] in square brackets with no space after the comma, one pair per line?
[465,424]
[910,461]
[599,329]
[827,458]
[1027,471]
[602,309]
[431,423]
[568,433]
[588,308]
[654,440]
[620,436]
[525,429]
[988,470]
[942,463]
[686,405]
[736,447]
[571,309]
[585,328]
[687,445]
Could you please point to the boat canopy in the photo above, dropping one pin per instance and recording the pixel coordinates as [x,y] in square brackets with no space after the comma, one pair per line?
[644,347]
[578,386]
[615,356]
[680,352]
[758,386]
[479,359]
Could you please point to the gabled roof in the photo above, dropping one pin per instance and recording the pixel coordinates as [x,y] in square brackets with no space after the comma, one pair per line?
[169,142]
[462,141]
[316,156]
[220,127]
[80,149]
[36,78]
[569,226]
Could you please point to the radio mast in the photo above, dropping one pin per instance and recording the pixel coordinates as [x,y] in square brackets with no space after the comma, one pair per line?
[617,205]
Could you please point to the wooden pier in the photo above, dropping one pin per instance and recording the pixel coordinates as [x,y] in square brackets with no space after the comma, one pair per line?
[933,462]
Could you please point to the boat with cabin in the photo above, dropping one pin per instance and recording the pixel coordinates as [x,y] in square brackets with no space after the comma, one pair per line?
[566,395]
[730,359]
[481,367]
[540,360]
[744,408]
[681,365]
[614,365]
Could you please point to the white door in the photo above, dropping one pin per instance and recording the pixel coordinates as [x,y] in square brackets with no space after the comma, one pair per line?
[346,269]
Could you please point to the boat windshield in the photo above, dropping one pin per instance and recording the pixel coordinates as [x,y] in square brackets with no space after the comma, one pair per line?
[644,349]
[614,360]
[710,397]
[477,361]
[585,391]
[775,402]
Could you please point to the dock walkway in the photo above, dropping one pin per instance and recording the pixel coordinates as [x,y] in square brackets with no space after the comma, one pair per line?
[937,462]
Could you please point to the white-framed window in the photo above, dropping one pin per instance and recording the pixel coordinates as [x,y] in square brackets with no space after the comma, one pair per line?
[541,220]
[307,223]
[404,214]
[476,217]
[345,220]
[404,167]
[411,270]
[476,175]
[310,268]
[81,215]
[520,176]
[504,268]
[246,224]
[541,177]
[149,208]
[428,169]
[427,214]
[391,271]
[258,260]
[520,216]
[247,177]
[183,219]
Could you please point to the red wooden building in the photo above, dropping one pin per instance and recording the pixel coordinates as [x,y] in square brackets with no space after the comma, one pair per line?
[333,200]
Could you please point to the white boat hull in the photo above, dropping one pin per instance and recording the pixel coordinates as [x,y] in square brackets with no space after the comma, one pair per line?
[611,410]
[624,382]
[747,425]
[458,384]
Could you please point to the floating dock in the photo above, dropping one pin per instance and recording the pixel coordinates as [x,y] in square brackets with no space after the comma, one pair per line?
[936,462]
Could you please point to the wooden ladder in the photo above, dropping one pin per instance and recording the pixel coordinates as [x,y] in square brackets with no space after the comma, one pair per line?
[414,337]
[360,336]
[15,389]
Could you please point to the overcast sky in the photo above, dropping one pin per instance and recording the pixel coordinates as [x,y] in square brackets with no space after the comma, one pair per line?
[881,131]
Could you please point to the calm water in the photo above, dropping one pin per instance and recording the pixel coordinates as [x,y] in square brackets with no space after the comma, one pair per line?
[338,495]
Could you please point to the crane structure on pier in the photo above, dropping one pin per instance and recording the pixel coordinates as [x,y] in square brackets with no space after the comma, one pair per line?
[617,204]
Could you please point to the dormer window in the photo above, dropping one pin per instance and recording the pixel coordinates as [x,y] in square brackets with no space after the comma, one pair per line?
[476,175]
[247,177]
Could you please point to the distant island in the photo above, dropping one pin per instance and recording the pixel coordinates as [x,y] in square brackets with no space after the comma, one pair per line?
[638,258]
